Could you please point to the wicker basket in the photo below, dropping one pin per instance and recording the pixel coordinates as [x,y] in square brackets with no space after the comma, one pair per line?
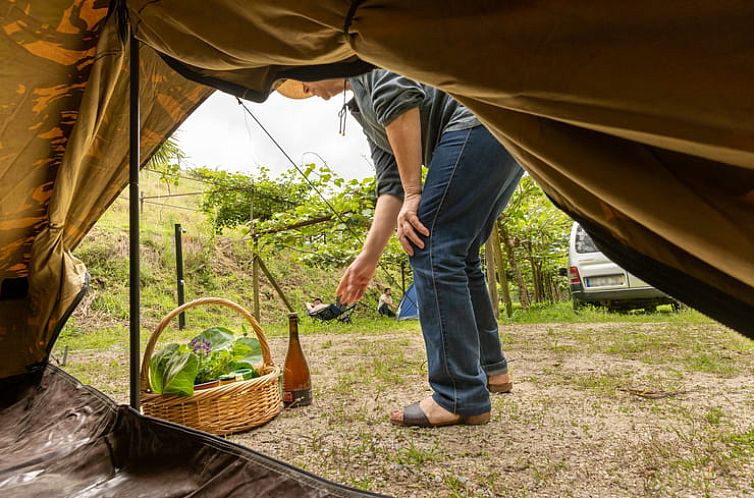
[221,410]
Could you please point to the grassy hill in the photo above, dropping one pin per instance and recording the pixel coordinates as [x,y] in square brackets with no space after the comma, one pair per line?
[214,265]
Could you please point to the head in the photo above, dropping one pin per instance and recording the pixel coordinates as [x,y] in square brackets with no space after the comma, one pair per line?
[387,291]
[317,301]
[324,89]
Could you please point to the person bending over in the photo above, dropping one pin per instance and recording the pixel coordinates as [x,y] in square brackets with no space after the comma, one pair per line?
[441,226]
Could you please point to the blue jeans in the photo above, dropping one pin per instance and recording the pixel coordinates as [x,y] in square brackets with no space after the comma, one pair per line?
[471,179]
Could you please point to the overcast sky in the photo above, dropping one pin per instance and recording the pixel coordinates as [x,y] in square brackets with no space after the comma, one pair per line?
[220,134]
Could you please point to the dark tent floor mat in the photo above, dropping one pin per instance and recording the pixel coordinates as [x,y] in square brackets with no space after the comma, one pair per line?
[60,438]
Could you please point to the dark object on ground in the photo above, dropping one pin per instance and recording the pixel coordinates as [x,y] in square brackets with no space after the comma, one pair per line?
[341,313]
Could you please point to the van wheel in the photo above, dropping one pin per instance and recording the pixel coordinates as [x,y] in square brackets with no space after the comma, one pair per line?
[676,306]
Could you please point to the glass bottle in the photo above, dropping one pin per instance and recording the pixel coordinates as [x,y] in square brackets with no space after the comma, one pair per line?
[297,384]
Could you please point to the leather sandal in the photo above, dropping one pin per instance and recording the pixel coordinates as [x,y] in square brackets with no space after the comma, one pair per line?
[504,387]
[413,416]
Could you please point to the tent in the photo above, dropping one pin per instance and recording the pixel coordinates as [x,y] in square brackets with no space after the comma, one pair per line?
[634,117]
[407,308]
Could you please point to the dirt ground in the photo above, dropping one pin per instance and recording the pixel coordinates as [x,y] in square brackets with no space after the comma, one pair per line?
[593,413]
[598,410]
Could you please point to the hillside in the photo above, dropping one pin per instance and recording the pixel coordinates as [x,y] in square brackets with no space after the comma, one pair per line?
[214,265]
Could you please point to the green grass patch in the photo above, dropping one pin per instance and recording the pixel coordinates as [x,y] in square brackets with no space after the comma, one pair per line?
[100,339]
[710,362]
[564,313]
[603,384]
[414,454]
[714,415]
[741,444]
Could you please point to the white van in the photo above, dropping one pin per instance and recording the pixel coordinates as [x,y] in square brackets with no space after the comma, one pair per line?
[598,281]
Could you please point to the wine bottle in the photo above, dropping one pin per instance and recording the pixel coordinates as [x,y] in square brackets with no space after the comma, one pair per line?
[297,384]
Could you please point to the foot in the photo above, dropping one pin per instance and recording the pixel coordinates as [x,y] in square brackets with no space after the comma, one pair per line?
[500,383]
[427,413]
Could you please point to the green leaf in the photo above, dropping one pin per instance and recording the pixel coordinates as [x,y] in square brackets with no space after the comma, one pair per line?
[172,370]
[248,351]
[219,338]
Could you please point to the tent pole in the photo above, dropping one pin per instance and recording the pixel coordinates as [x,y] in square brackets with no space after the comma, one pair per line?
[180,283]
[134,158]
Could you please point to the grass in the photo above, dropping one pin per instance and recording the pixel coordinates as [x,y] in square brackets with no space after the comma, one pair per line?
[414,454]
[564,313]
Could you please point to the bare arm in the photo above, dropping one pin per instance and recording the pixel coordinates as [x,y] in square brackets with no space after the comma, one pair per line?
[404,135]
[355,280]
[383,226]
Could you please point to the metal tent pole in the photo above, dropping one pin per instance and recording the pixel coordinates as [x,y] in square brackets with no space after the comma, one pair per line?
[180,283]
[134,157]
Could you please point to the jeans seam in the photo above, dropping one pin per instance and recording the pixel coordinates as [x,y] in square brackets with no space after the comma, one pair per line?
[432,266]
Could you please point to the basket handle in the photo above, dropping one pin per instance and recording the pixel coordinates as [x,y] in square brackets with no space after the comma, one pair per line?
[266,356]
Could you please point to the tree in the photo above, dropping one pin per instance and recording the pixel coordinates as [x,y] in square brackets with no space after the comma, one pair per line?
[533,230]
[287,213]
[167,160]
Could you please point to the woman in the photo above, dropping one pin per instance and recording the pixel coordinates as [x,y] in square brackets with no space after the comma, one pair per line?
[441,226]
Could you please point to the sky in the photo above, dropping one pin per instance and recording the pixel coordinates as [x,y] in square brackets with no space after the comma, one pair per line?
[221,135]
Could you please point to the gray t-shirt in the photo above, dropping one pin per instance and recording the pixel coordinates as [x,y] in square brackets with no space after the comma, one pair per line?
[380,96]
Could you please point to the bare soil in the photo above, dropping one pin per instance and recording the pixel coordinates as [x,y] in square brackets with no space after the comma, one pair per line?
[598,410]
[580,422]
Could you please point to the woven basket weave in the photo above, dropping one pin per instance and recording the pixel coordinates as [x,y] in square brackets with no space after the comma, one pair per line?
[221,410]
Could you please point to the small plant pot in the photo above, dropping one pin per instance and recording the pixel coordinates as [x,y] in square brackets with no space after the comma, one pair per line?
[206,385]
[242,374]
[226,379]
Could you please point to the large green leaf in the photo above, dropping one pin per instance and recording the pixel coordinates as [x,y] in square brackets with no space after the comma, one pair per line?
[173,369]
[247,353]
[219,338]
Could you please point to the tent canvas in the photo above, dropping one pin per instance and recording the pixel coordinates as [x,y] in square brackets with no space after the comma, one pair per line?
[634,117]
[407,308]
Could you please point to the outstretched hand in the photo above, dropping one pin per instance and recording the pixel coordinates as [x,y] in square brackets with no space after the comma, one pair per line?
[409,226]
[356,279]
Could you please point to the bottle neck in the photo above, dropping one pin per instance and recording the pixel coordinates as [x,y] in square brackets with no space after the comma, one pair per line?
[293,327]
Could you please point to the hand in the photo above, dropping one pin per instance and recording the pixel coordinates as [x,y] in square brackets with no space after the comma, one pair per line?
[356,279]
[409,226]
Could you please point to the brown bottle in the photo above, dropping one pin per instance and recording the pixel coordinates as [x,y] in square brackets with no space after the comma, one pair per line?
[297,384]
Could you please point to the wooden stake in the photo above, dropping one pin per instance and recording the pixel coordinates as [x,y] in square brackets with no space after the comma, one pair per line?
[267,273]
[489,256]
[255,281]
[501,274]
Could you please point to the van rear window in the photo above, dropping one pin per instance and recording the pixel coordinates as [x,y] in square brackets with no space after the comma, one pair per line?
[584,242]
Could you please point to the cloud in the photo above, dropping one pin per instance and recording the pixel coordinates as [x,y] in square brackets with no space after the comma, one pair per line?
[220,134]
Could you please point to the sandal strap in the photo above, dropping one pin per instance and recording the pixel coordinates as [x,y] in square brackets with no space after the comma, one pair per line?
[414,416]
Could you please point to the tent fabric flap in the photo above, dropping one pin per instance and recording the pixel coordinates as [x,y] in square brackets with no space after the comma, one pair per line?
[59,438]
[59,180]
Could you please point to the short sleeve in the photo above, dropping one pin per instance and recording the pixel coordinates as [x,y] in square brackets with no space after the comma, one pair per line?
[388,177]
[393,95]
